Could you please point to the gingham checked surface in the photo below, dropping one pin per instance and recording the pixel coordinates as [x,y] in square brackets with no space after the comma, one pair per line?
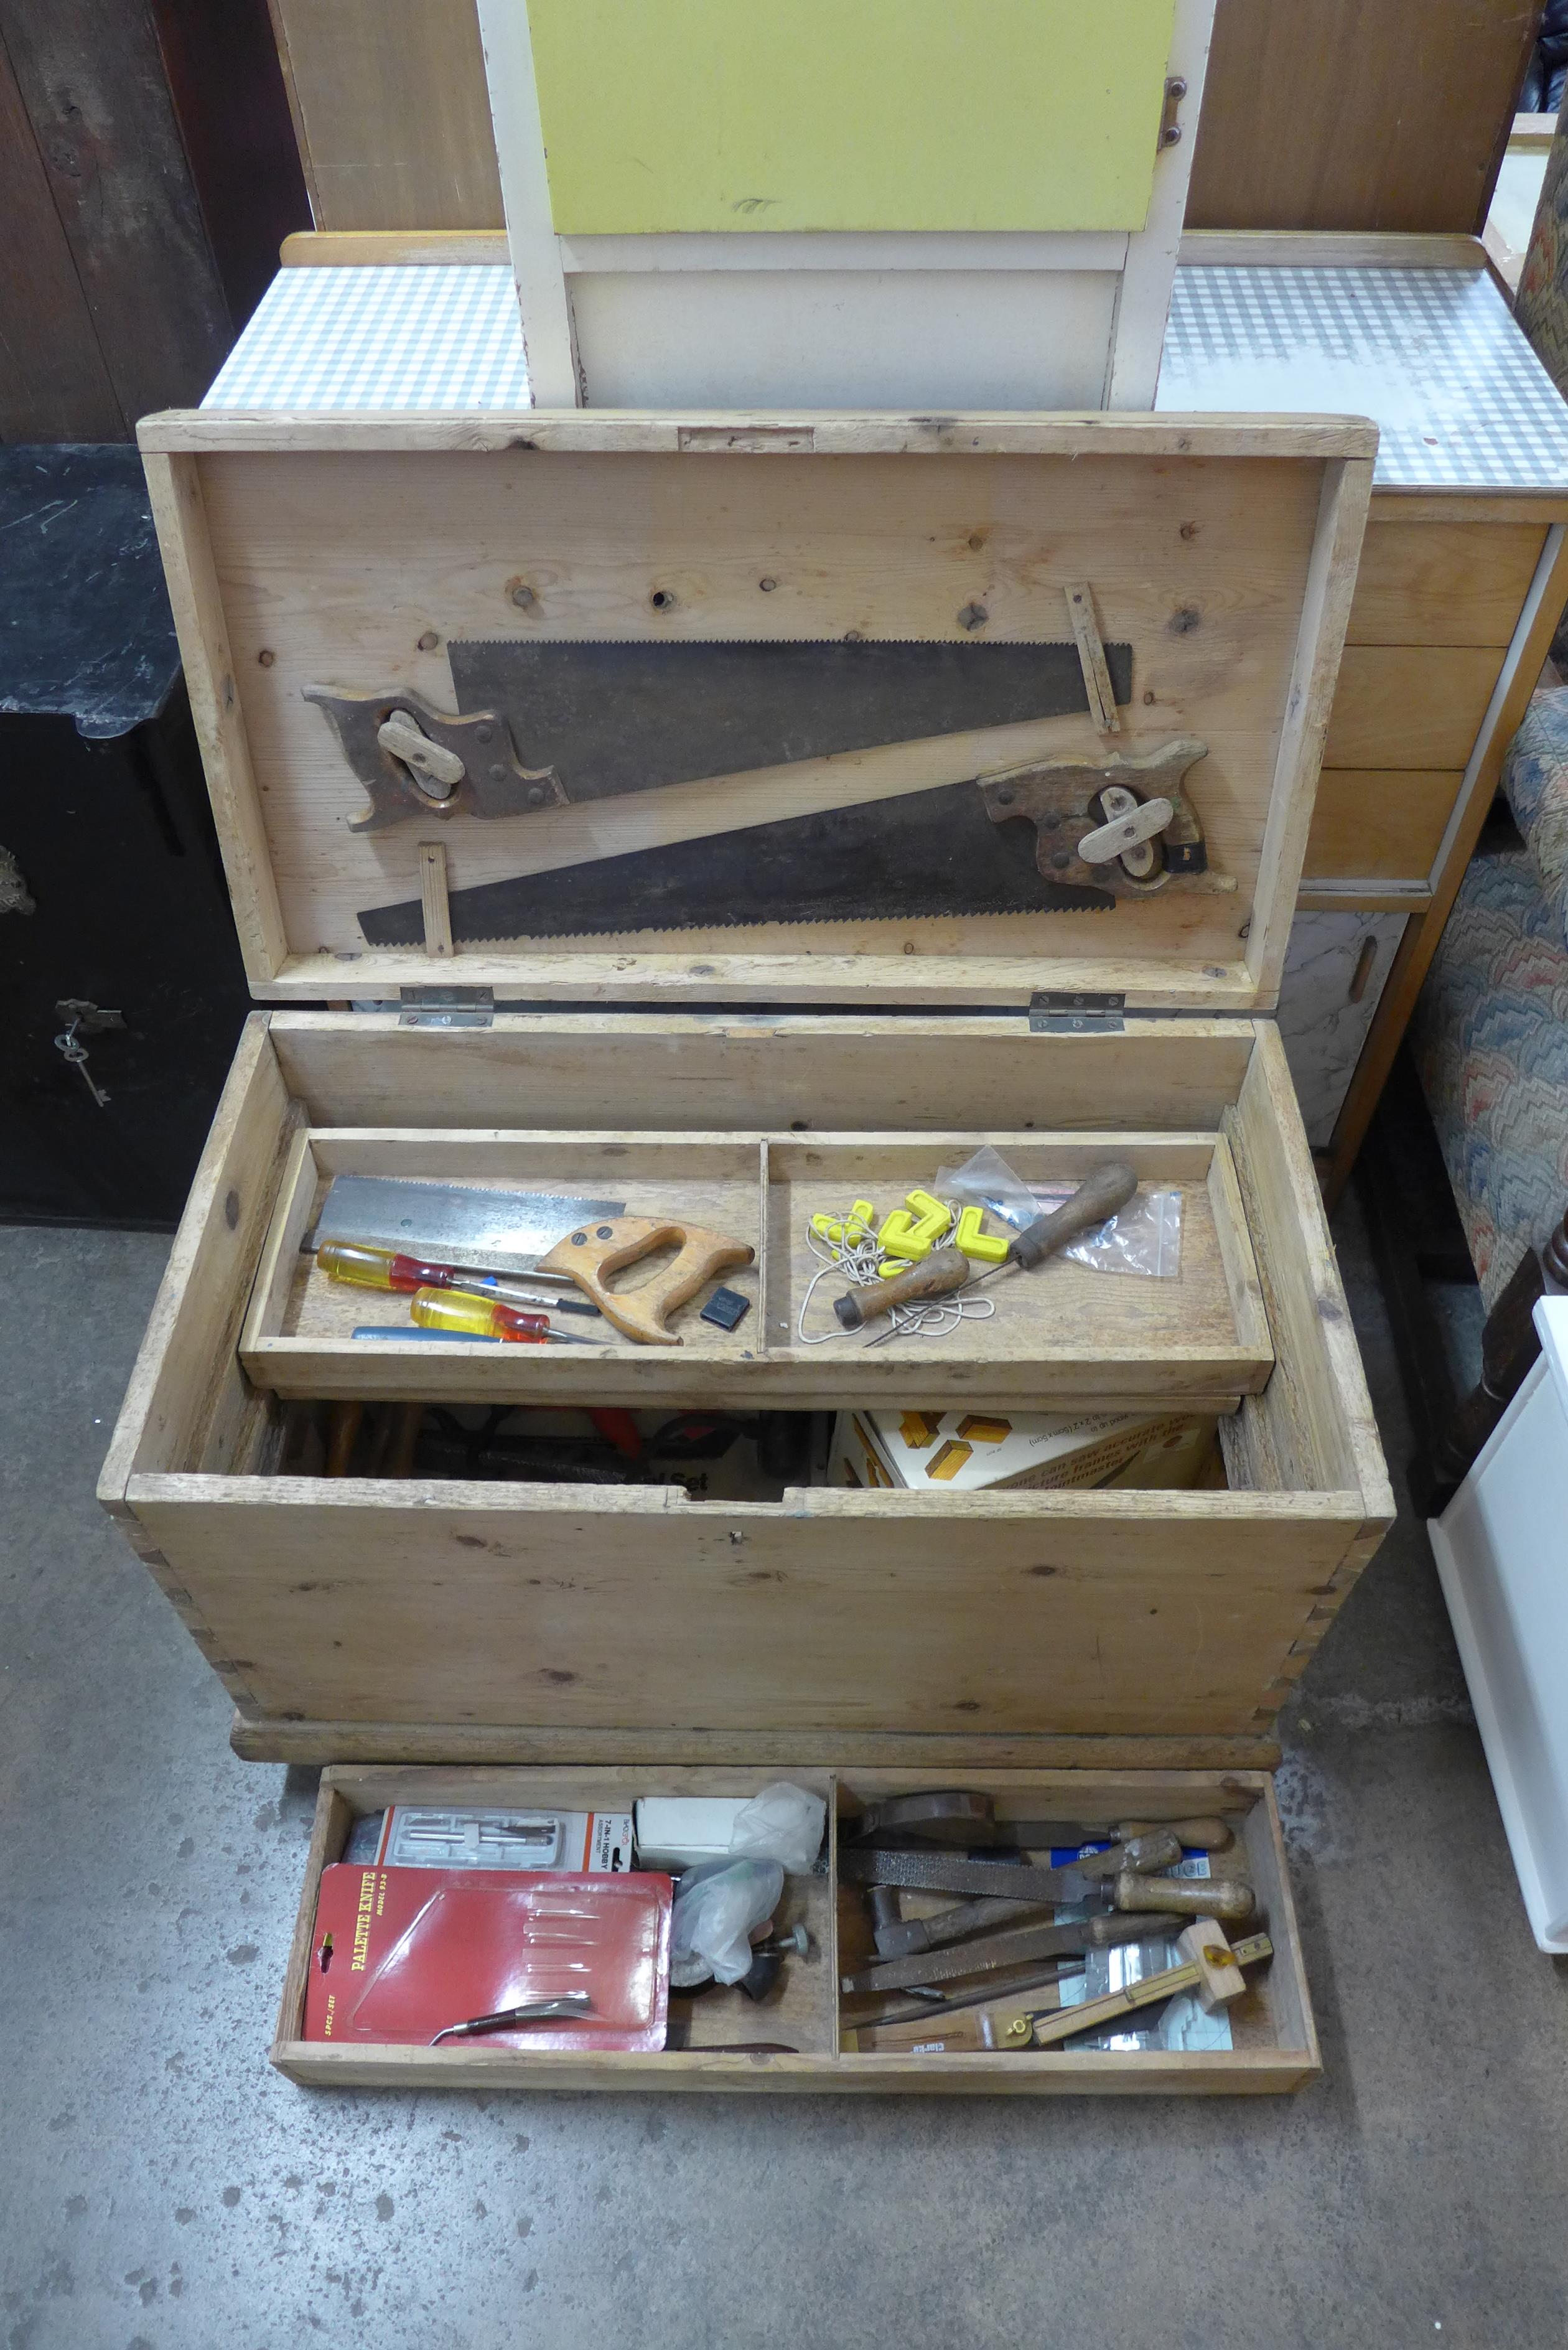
[411,338]
[1432,354]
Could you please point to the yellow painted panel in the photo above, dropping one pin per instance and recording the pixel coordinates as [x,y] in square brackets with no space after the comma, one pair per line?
[849,114]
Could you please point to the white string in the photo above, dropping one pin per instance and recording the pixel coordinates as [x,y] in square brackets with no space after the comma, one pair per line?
[857,1258]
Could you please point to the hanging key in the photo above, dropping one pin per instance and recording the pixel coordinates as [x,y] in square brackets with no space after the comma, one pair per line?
[89,1019]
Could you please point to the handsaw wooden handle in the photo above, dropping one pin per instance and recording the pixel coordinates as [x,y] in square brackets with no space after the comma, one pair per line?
[943,1272]
[1110,1187]
[594,1251]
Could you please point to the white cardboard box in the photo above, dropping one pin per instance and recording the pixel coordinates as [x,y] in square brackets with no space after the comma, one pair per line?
[962,1450]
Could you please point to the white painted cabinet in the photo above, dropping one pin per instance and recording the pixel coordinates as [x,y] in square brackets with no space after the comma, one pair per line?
[1501,1548]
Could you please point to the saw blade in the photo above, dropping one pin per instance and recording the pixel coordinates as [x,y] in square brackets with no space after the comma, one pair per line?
[453,1223]
[613,716]
[909,860]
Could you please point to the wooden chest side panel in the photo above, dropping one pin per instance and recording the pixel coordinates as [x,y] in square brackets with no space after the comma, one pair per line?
[187,1406]
[680,1071]
[1069,1612]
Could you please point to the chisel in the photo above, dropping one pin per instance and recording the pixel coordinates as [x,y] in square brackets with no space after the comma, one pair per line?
[941,1872]
[1006,1950]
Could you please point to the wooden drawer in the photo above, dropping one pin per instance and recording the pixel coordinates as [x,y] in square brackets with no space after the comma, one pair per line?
[1437,583]
[1410,706]
[369,1615]
[1379,824]
[1274,2039]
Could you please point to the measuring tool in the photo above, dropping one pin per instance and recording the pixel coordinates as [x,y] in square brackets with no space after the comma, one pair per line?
[1208,1970]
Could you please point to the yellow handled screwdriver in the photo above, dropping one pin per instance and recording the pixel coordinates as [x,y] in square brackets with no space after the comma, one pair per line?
[464,1315]
[377,1268]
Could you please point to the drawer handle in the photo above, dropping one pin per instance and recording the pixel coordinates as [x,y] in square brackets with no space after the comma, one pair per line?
[1363,971]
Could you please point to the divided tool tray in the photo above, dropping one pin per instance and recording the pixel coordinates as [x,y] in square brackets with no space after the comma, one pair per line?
[1274,2042]
[1199,1339]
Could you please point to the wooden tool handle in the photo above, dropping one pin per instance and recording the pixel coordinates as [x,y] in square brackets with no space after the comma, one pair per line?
[943,1272]
[1196,1897]
[1098,1196]
[590,1254]
[1193,1835]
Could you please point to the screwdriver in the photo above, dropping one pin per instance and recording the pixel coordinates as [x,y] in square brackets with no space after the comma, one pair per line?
[462,1314]
[378,1268]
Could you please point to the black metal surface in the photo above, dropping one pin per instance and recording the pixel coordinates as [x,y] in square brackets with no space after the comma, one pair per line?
[105,812]
[927,854]
[115,842]
[85,627]
[618,718]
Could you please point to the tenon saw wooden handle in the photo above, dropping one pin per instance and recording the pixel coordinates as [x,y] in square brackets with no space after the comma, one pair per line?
[594,1251]
[943,1272]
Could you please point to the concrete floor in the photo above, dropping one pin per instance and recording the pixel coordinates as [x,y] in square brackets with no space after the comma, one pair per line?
[161,2189]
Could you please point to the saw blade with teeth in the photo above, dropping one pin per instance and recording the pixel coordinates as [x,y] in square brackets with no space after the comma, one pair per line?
[922,857]
[612,716]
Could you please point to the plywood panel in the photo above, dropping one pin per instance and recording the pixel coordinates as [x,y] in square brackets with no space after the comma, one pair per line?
[1379,825]
[1332,114]
[1410,705]
[1425,583]
[392,114]
[802,114]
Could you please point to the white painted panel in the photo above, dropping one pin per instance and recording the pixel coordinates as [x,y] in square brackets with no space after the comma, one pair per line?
[862,338]
[1501,1548]
[1321,1027]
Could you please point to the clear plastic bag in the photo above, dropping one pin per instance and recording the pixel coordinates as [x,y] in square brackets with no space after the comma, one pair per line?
[717,1904]
[1144,1237]
[783,1824]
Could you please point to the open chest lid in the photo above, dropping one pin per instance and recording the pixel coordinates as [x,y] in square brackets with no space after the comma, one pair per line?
[596,706]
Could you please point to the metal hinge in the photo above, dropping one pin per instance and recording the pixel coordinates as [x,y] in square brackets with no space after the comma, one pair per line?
[446,1007]
[1075,1013]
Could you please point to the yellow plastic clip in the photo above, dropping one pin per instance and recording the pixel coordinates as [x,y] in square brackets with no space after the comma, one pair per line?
[987,1248]
[913,1230]
[830,1227]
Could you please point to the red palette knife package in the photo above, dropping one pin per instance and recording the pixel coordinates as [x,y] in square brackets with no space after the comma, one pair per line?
[399,1954]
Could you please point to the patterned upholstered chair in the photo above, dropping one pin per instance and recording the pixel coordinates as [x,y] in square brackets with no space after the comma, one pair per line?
[1490,1041]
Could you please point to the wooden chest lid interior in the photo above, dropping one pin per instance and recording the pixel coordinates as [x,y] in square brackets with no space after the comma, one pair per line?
[350,552]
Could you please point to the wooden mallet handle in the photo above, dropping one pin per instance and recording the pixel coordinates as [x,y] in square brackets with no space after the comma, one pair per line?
[943,1272]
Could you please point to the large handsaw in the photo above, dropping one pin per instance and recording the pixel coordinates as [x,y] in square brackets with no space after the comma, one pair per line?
[551,725]
[1042,838]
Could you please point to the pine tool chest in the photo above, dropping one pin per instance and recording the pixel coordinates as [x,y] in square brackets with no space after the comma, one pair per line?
[728,824]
